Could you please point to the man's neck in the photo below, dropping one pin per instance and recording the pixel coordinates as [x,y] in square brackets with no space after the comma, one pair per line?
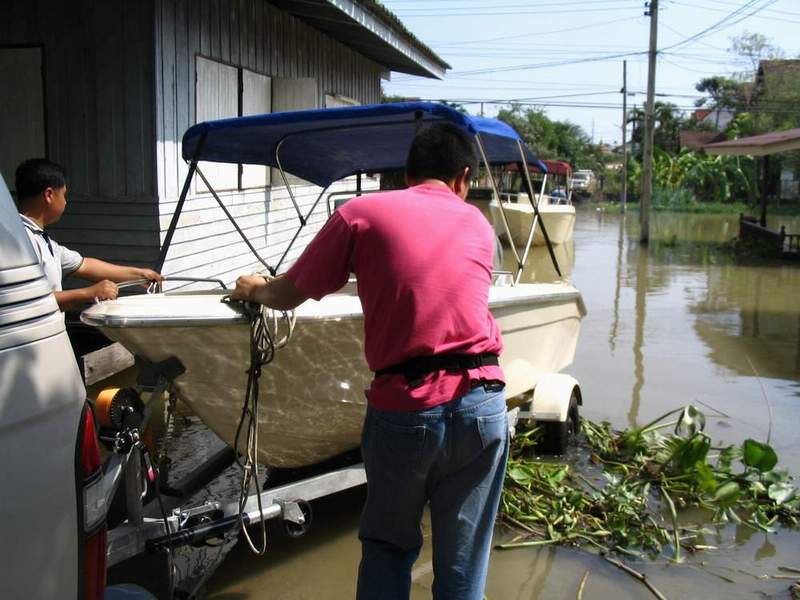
[34,215]
[433,181]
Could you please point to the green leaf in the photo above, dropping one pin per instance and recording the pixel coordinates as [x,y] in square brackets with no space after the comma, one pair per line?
[775,476]
[519,474]
[759,455]
[728,493]
[691,452]
[690,422]
[705,478]
[726,457]
[780,492]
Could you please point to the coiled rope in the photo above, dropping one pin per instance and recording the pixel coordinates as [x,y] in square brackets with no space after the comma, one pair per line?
[265,325]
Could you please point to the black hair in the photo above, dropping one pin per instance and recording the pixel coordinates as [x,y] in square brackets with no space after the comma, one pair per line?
[35,175]
[441,151]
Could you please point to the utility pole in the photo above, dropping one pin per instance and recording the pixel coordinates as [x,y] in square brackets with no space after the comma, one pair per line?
[649,125]
[624,193]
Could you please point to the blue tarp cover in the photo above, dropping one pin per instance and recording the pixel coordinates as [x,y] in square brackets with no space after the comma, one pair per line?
[324,145]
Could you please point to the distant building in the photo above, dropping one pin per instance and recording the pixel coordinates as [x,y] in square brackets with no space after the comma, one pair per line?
[717,117]
[107,88]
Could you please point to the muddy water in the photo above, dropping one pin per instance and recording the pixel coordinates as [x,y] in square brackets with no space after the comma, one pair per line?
[679,323]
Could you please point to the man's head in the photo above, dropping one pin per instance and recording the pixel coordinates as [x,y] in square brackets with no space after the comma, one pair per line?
[42,188]
[445,152]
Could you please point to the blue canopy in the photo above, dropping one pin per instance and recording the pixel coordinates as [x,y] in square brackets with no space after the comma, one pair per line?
[324,145]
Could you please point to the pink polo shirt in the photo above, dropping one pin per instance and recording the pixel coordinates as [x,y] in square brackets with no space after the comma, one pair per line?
[423,260]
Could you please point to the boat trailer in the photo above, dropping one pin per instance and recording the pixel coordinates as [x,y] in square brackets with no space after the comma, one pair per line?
[155,521]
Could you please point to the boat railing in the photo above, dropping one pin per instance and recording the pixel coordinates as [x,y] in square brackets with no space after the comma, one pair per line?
[156,287]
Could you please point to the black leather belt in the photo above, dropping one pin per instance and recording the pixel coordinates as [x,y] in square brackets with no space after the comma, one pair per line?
[414,369]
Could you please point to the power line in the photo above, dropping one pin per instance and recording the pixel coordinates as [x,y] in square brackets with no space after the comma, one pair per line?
[537,34]
[493,13]
[781,19]
[723,23]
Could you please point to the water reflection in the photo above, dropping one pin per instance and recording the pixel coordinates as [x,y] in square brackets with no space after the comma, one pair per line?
[539,266]
[752,312]
[612,336]
[638,336]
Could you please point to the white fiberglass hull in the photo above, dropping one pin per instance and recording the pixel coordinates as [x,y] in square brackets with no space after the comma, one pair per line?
[559,220]
[312,395]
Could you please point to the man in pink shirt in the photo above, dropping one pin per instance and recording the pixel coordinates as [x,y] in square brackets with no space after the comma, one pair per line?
[436,430]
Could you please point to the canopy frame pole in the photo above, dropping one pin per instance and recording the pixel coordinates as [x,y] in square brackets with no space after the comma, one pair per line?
[499,201]
[541,191]
[764,187]
[537,215]
[299,229]
[173,224]
[568,186]
[233,222]
[286,181]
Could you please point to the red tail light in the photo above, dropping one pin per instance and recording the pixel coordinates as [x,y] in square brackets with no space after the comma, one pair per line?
[93,511]
[90,447]
[94,561]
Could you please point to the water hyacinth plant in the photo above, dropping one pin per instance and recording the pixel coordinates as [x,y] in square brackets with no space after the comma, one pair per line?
[627,500]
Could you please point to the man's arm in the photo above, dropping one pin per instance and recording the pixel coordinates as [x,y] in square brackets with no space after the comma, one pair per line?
[278,293]
[95,269]
[103,290]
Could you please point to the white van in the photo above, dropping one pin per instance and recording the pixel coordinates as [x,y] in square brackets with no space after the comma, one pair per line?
[52,513]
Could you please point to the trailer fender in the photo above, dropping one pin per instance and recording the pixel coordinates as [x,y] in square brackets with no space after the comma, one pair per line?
[551,397]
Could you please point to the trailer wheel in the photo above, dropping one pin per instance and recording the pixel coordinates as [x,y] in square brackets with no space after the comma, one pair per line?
[296,530]
[558,434]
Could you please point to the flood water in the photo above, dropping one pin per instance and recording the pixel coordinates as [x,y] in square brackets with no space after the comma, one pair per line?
[679,322]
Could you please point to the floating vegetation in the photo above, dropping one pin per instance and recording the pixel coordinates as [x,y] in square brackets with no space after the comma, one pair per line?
[627,499]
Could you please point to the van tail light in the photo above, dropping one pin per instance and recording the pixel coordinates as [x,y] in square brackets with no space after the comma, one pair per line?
[94,565]
[93,510]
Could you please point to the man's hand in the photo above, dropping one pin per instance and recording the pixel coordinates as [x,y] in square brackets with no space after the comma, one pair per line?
[149,274]
[247,287]
[103,290]
[279,292]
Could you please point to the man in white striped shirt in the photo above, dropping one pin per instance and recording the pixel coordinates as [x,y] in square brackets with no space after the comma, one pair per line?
[41,187]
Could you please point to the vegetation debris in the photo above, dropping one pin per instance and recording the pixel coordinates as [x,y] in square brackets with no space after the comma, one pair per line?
[627,498]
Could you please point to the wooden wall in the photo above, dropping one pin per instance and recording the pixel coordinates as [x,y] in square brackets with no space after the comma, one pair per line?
[255,35]
[99,97]
[119,94]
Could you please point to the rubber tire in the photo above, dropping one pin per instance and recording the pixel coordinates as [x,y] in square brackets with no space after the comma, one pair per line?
[558,434]
[295,530]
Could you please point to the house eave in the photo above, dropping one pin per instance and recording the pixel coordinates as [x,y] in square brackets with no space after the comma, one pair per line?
[354,24]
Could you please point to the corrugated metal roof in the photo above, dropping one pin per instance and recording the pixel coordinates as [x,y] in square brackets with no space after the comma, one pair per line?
[758,145]
[370,29]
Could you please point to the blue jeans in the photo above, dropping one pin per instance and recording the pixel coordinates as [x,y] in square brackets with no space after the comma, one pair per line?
[452,456]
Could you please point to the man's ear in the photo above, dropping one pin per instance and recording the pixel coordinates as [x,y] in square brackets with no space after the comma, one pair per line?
[48,194]
[461,183]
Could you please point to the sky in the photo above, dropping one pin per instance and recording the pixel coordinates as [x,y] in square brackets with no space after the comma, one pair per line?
[502,50]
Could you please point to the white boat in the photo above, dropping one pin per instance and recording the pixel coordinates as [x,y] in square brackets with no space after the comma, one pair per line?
[555,210]
[558,220]
[312,395]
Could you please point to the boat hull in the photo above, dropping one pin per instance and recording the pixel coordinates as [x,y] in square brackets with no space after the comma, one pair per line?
[558,219]
[312,402]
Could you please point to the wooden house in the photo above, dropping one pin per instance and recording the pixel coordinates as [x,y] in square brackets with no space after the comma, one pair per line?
[108,88]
